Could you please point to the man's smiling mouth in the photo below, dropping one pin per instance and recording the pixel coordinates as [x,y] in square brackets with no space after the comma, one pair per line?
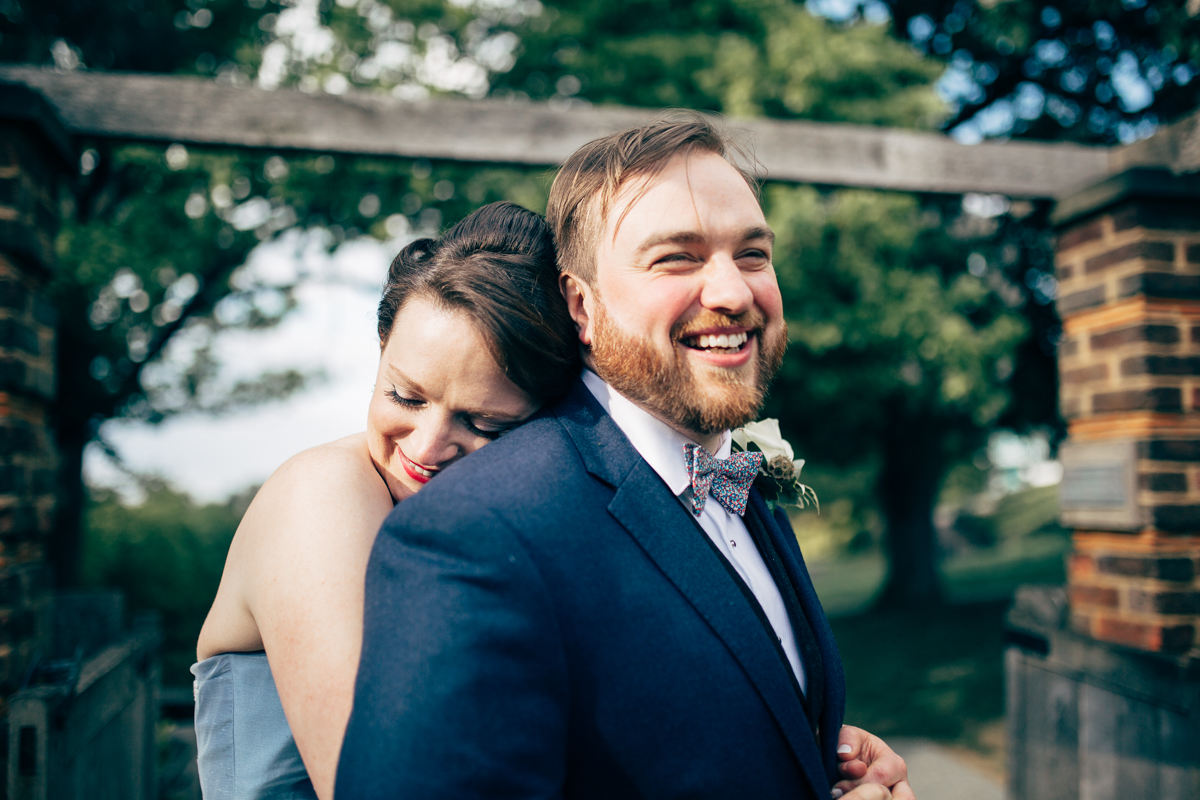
[720,343]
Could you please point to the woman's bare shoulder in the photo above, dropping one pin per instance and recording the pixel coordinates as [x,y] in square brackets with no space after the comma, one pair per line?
[331,491]
[340,472]
[341,459]
[311,524]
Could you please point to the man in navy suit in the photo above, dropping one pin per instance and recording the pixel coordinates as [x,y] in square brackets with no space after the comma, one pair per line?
[597,605]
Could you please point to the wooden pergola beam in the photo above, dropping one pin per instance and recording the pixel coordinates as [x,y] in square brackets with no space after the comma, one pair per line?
[195,111]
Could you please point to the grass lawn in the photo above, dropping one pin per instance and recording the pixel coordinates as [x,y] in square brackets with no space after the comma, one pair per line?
[934,672]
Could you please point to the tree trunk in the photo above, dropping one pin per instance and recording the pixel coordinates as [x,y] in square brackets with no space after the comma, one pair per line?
[908,486]
[67,540]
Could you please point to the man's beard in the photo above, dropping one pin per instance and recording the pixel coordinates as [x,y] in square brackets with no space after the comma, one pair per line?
[667,386]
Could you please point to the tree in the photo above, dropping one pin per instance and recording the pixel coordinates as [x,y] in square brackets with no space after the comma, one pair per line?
[899,356]
[152,250]
[165,554]
[741,57]
[145,285]
[151,261]
[897,352]
[1088,70]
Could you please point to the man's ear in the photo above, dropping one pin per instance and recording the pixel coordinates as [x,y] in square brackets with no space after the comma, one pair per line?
[579,303]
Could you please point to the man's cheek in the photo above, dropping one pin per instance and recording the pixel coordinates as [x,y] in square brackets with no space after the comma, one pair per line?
[767,298]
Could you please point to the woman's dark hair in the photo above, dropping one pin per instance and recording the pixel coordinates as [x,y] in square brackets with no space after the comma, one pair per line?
[498,267]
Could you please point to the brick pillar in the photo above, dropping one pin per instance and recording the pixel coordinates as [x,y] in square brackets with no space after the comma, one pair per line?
[1129,366]
[35,155]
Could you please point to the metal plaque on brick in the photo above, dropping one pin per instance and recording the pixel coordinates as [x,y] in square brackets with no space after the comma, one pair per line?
[1099,485]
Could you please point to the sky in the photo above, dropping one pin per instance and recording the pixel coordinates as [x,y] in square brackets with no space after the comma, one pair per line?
[332,330]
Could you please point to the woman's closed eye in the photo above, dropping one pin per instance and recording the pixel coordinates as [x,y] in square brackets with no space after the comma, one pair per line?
[486,429]
[486,432]
[401,400]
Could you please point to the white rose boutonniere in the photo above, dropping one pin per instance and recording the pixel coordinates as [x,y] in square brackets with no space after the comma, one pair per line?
[779,476]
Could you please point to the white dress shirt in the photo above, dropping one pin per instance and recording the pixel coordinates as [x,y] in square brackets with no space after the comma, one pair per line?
[662,448]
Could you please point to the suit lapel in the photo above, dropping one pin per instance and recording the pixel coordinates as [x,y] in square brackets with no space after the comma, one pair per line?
[834,680]
[645,507]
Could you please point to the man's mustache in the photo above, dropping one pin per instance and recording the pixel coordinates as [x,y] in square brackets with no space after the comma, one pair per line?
[707,320]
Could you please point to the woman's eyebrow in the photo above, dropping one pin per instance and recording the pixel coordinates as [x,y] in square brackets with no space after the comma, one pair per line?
[408,383]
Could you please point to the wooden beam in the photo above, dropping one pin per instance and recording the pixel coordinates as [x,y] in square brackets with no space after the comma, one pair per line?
[195,111]
[1175,148]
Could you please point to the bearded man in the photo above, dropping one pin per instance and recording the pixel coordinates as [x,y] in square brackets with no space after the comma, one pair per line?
[599,605]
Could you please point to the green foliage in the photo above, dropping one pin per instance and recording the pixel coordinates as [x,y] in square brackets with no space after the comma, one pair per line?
[134,269]
[137,35]
[1065,68]
[155,256]
[884,325]
[166,554]
[849,522]
[805,68]
[888,330]
[741,57]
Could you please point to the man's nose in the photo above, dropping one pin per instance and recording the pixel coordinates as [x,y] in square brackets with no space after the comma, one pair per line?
[433,442]
[725,288]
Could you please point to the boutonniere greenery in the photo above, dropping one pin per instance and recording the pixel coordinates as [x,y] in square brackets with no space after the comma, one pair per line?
[779,476]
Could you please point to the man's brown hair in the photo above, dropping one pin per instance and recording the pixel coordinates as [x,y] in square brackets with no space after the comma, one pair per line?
[584,189]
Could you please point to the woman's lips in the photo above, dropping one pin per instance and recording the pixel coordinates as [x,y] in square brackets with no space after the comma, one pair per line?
[414,470]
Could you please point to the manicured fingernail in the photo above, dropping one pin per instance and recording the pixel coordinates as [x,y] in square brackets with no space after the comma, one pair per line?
[836,793]
[844,748]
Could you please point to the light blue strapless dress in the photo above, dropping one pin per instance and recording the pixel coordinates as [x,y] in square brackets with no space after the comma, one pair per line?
[245,749]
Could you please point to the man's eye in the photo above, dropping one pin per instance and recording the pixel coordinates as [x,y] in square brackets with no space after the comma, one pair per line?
[754,256]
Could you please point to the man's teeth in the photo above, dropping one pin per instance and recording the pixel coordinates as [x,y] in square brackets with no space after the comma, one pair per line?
[723,341]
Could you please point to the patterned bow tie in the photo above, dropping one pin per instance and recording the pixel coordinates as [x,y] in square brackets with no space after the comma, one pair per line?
[728,479]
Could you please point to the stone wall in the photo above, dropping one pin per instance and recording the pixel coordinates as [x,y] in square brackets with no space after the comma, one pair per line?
[34,155]
[1129,280]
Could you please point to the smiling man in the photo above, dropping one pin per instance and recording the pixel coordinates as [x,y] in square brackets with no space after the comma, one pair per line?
[598,605]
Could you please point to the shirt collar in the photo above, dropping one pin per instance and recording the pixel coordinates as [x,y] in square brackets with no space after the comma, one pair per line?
[656,441]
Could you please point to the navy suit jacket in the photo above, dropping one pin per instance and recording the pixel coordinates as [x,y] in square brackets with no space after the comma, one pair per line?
[543,620]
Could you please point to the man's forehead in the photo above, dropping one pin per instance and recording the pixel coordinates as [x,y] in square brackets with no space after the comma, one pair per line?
[643,196]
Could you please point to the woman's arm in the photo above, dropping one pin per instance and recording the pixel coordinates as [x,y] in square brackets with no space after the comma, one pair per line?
[315,523]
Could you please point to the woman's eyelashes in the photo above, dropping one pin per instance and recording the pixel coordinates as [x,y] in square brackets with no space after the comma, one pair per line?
[467,422]
[401,400]
[487,434]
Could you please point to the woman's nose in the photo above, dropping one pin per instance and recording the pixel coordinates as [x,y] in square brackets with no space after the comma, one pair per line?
[432,443]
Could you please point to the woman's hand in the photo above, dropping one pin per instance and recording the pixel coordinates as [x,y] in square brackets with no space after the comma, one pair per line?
[868,762]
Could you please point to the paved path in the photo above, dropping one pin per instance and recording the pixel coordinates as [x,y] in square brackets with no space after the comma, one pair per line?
[937,774]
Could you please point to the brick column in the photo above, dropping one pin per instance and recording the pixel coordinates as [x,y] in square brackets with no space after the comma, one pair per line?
[1129,295]
[35,155]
